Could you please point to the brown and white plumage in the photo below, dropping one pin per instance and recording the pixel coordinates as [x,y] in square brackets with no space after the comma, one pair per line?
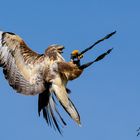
[21,65]
[30,73]
[45,74]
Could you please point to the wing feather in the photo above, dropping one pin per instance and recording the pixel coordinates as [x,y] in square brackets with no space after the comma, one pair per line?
[31,73]
[22,67]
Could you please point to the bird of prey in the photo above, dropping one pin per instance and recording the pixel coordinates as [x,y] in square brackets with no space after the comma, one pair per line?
[45,75]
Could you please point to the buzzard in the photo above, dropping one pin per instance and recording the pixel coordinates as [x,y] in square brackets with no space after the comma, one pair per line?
[45,75]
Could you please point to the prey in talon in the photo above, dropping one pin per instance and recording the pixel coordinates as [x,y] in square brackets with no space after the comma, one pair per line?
[45,75]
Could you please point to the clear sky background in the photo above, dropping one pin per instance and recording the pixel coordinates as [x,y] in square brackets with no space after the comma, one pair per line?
[107,95]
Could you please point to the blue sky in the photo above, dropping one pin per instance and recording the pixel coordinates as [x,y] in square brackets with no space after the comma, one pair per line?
[106,95]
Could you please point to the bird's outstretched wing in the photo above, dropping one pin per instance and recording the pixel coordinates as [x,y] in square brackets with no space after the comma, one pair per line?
[30,73]
[21,66]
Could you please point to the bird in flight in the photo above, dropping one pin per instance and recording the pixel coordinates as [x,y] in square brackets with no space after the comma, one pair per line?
[45,75]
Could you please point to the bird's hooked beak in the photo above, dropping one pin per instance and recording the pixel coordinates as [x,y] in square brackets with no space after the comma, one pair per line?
[60,48]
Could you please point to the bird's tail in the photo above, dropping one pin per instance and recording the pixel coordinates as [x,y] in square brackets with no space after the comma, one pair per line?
[62,96]
[47,104]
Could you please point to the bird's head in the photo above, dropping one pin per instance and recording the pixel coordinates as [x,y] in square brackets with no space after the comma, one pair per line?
[55,48]
[59,48]
[54,51]
[75,55]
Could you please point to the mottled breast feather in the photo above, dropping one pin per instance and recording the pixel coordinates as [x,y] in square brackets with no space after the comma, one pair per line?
[70,70]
